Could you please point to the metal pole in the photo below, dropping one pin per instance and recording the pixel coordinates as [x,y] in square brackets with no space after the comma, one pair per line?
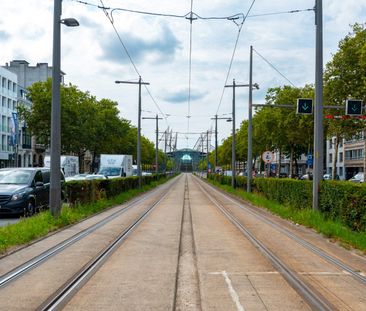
[318,122]
[207,151]
[55,178]
[139,137]
[250,125]
[215,142]
[157,145]
[233,142]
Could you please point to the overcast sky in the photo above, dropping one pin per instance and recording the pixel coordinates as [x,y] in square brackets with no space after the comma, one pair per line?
[93,56]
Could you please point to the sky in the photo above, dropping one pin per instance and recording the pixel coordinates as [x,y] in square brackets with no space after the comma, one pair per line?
[159,48]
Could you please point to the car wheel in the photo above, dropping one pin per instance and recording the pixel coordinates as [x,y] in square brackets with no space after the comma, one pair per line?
[30,210]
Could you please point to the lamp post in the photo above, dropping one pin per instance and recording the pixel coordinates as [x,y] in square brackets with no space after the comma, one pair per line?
[55,178]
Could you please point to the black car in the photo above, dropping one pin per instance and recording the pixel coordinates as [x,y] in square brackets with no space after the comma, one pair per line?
[23,191]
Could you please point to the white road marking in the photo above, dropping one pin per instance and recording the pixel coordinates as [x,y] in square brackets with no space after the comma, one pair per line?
[249,273]
[233,294]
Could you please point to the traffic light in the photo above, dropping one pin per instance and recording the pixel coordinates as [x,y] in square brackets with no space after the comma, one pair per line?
[304,106]
[353,107]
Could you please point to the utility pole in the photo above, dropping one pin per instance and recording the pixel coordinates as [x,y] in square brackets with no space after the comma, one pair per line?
[156,141]
[250,125]
[207,150]
[318,122]
[234,85]
[138,126]
[217,118]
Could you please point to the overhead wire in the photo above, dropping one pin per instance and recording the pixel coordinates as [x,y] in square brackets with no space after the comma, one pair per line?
[233,55]
[130,58]
[190,69]
[273,67]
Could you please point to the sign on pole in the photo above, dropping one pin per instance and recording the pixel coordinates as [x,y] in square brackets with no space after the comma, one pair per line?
[304,106]
[267,156]
[353,107]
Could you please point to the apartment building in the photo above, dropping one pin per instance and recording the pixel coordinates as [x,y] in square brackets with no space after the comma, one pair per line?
[29,152]
[330,156]
[8,130]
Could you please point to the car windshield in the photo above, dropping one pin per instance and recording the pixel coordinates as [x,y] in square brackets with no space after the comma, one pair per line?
[110,171]
[358,176]
[17,177]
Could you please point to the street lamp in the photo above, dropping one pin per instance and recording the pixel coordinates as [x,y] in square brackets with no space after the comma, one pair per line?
[55,178]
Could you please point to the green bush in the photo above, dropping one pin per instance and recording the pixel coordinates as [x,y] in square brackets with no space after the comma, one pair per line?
[89,191]
[342,201]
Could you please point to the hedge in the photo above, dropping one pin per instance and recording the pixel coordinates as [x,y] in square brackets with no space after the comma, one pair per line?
[338,200]
[88,191]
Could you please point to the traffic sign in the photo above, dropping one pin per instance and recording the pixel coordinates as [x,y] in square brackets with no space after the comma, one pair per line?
[304,106]
[309,160]
[353,107]
[267,156]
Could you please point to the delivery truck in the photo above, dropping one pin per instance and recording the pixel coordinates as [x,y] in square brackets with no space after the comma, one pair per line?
[115,165]
[69,164]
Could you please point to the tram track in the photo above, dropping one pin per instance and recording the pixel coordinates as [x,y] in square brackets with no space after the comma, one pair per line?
[38,260]
[311,247]
[314,298]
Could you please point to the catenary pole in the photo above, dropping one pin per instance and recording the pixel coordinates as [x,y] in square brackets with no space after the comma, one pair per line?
[318,122]
[250,125]
[156,141]
[138,126]
[55,174]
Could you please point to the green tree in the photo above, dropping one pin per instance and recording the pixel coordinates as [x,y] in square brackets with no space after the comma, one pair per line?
[344,78]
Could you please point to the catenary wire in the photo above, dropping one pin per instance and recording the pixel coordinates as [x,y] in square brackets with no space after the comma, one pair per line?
[130,58]
[233,55]
[190,68]
[273,67]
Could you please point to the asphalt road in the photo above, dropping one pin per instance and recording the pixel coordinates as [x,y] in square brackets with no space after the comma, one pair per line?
[6,221]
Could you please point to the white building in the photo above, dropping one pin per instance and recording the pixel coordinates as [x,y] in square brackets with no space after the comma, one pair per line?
[29,152]
[8,103]
[330,155]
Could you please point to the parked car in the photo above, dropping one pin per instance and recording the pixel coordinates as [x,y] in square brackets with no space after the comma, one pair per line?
[359,177]
[95,176]
[307,177]
[329,177]
[76,177]
[23,191]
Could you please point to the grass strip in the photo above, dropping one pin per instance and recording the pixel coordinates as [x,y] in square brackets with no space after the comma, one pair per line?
[307,217]
[39,225]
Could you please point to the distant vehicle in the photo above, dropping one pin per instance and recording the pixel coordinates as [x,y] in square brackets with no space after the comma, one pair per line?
[76,177]
[359,177]
[23,191]
[69,164]
[228,173]
[115,165]
[307,177]
[329,177]
[146,173]
[95,176]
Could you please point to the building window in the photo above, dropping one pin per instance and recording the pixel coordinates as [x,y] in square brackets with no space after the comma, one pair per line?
[330,143]
[9,103]
[340,157]
[340,171]
[3,82]
[330,158]
[3,102]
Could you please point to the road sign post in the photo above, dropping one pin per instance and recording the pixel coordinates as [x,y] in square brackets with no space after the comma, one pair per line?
[353,107]
[304,106]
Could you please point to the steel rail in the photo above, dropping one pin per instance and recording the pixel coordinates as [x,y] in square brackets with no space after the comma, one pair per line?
[341,265]
[314,299]
[17,272]
[69,289]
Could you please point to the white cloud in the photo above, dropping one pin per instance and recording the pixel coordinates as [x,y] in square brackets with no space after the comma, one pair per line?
[286,40]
